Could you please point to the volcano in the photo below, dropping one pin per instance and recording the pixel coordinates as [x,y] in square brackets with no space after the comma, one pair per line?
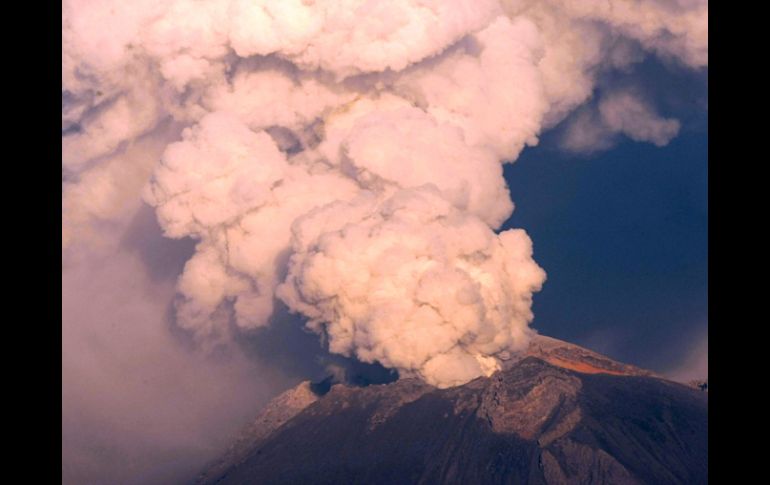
[555,414]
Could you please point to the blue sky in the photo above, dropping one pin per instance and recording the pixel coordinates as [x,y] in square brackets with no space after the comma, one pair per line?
[623,237]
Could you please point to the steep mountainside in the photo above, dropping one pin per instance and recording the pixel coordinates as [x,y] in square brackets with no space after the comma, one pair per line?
[561,414]
[281,409]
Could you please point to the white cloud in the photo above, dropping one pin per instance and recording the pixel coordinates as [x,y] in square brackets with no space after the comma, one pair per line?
[414,284]
[295,112]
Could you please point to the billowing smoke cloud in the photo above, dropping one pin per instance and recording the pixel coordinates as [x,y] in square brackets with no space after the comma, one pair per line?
[413,283]
[344,158]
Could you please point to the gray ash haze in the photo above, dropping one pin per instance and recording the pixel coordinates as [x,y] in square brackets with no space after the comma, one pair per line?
[256,193]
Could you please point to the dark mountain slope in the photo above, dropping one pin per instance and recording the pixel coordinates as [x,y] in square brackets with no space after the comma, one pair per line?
[534,422]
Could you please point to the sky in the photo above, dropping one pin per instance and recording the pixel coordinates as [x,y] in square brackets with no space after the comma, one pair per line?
[631,246]
[256,193]
[624,233]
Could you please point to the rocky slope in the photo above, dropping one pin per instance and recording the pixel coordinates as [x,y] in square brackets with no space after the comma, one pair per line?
[558,415]
[280,410]
[571,356]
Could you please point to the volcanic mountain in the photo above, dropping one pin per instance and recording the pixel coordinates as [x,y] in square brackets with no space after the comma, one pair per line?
[555,414]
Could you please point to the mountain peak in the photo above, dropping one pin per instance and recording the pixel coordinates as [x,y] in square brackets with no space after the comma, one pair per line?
[556,413]
[574,357]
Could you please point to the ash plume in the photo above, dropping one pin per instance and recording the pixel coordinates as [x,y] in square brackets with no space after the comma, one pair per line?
[308,121]
[344,158]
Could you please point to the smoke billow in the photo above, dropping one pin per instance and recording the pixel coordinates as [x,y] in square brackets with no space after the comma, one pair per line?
[136,406]
[344,158]
[413,283]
